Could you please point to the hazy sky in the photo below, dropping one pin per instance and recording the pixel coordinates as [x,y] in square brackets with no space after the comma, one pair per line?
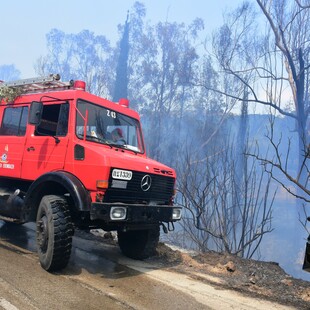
[25,23]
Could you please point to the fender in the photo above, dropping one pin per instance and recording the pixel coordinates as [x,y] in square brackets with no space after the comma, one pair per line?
[67,183]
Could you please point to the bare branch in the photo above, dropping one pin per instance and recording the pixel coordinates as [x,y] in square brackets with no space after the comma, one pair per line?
[256,100]
[265,161]
[301,5]
[272,25]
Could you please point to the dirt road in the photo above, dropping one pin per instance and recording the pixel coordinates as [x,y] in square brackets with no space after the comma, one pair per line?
[99,277]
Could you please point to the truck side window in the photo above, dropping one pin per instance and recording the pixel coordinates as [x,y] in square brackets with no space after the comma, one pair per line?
[14,122]
[54,121]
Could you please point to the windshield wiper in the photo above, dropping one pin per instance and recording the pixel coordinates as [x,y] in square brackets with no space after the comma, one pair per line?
[121,146]
[94,138]
[111,144]
[130,148]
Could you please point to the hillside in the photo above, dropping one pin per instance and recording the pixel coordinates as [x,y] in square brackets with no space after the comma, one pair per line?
[262,280]
[265,280]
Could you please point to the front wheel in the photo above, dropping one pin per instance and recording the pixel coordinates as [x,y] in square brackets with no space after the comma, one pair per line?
[139,244]
[54,232]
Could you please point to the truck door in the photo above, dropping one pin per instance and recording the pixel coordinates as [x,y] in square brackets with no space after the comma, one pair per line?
[12,140]
[46,147]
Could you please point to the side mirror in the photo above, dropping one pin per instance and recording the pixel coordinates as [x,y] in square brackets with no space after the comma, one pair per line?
[35,113]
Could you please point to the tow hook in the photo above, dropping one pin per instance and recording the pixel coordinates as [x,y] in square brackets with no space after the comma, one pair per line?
[167,229]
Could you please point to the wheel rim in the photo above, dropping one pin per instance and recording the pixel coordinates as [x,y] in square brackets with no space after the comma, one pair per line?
[42,229]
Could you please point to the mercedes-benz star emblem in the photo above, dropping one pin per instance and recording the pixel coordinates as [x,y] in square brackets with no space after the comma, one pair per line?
[146,183]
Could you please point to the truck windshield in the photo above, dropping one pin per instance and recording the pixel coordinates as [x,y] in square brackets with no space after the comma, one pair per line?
[108,127]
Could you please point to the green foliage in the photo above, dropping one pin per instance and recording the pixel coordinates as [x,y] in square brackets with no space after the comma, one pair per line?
[8,94]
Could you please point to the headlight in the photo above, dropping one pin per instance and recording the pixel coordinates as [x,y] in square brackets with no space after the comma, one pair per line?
[176,213]
[118,213]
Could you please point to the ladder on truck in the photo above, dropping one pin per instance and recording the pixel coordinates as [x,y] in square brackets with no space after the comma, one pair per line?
[37,84]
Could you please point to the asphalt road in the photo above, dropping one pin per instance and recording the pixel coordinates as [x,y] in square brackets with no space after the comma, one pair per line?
[99,277]
[93,280]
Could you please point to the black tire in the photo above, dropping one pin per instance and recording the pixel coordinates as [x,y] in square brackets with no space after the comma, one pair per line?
[139,244]
[54,232]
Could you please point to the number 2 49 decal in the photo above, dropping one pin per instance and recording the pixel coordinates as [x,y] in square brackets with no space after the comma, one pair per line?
[111,114]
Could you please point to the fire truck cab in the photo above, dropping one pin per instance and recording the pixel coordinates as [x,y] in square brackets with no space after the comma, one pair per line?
[70,159]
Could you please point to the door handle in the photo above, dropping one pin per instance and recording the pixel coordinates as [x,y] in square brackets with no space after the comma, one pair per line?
[31,148]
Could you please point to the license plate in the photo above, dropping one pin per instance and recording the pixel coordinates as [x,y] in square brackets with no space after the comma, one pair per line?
[121,174]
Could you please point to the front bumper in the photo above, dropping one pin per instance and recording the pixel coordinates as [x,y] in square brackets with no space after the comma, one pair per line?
[135,213]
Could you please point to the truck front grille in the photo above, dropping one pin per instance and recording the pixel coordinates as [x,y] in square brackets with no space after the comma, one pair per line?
[132,191]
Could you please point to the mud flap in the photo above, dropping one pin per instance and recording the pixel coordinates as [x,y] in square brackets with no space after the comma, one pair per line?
[306,265]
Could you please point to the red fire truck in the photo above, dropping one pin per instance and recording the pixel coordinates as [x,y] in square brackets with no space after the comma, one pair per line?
[70,159]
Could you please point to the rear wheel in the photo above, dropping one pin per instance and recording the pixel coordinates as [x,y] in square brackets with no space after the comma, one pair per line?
[139,244]
[54,232]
